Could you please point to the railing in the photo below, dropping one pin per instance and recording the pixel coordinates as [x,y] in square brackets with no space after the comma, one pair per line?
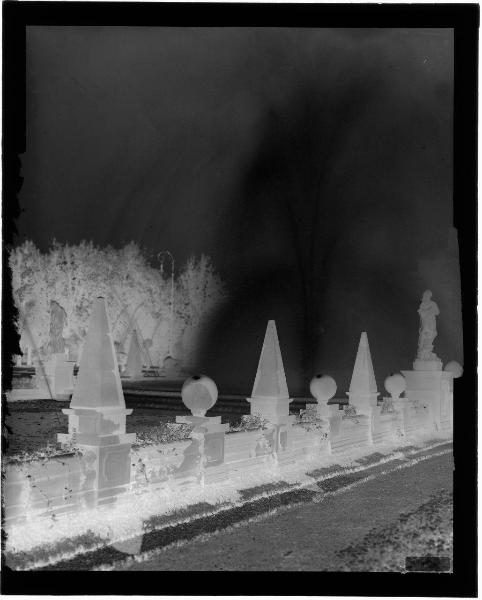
[210,456]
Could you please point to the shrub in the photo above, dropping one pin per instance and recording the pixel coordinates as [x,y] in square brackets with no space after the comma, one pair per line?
[164,433]
[54,292]
[42,454]
[248,423]
[309,419]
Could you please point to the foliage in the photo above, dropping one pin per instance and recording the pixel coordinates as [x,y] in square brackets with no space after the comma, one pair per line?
[138,297]
[41,454]
[199,291]
[349,411]
[163,433]
[310,420]
[387,406]
[309,414]
[248,423]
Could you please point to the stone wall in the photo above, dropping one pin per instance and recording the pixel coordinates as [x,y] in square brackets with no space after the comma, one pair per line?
[70,483]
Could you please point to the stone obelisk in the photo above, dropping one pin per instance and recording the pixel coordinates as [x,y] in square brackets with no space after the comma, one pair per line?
[270,397]
[363,387]
[97,413]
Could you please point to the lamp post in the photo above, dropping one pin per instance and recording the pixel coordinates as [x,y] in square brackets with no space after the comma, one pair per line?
[160,257]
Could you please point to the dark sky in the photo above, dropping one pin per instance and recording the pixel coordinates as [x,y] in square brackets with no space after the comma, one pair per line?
[314,166]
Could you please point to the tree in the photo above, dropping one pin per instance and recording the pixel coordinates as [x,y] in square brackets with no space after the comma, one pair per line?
[199,292]
[29,287]
[54,293]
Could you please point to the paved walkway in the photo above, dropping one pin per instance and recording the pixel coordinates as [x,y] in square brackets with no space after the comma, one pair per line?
[307,537]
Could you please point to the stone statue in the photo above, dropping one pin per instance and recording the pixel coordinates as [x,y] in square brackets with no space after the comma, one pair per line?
[428,312]
[58,318]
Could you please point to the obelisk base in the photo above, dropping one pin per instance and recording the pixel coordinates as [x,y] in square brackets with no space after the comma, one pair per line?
[363,402]
[271,409]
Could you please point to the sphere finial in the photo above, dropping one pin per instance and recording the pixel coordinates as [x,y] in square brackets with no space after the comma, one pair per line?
[199,393]
[455,368]
[323,388]
[395,385]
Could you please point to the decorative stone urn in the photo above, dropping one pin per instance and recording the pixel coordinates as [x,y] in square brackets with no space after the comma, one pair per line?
[199,393]
[455,368]
[323,388]
[395,385]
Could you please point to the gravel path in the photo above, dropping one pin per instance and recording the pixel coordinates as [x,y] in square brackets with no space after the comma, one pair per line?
[425,532]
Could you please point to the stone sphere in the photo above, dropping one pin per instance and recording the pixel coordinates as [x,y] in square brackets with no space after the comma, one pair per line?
[395,384]
[455,368]
[323,388]
[199,393]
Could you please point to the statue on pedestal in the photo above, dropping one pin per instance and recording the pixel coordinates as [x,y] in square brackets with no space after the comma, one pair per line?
[428,312]
[426,359]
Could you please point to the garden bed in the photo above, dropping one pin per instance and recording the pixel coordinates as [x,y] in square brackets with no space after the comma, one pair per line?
[34,427]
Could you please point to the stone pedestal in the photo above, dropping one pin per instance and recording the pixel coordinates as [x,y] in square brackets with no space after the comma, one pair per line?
[199,394]
[106,461]
[348,431]
[212,432]
[414,417]
[363,403]
[91,427]
[105,447]
[427,365]
[366,405]
[324,410]
[323,388]
[433,390]
[276,412]
[282,430]
[387,421]
[271,409]
[206,449]
[402,407]
[330,416]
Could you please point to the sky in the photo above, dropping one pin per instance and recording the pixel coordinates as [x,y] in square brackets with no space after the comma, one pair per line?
[314,166]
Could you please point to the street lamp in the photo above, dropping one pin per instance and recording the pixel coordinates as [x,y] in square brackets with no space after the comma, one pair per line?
[160,257]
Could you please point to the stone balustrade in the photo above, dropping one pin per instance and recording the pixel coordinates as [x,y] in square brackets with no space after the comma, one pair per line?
[104,467]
